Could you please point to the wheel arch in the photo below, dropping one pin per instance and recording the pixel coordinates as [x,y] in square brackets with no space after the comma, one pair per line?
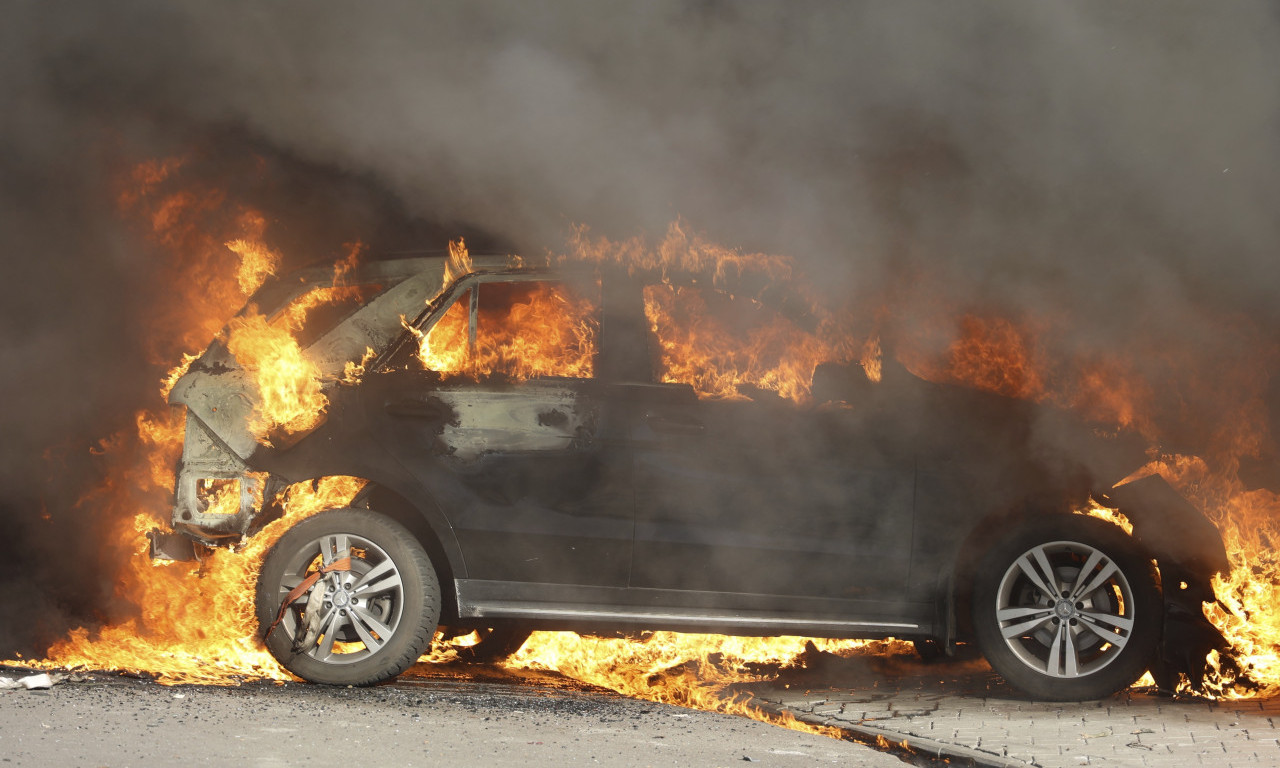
[1028,657]
[380,596]
[989,533]
[445,554]
[390,488]
[957,586]
[418,512]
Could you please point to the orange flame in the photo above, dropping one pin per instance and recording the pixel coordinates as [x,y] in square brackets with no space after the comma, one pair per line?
[527,330]
[288,383]
[719,359]
[459,262]
[688,670]
[257,261]
[1248,598]
[682,253]
[1000,355]
[722,339]
[195,625]
[995,355]
[175,621]
[210,280]
[872,359]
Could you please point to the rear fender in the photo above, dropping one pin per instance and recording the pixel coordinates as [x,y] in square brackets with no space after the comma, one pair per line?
[1189,550]
[1170,527]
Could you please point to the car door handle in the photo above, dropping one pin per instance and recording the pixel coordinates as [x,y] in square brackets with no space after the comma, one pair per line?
[418,409]
[667,425]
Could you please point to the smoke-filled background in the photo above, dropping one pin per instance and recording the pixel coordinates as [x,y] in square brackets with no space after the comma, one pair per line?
[1114,167]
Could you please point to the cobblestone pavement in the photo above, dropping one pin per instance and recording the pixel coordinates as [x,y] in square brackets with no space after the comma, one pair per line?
[963,712]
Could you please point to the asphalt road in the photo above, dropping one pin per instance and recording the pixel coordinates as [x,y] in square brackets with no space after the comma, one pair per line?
[106,720]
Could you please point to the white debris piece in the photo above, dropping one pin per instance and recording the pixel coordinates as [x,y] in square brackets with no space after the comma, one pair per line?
[32,682]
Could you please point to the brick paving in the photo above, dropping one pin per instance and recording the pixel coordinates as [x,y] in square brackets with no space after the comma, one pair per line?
[964,713]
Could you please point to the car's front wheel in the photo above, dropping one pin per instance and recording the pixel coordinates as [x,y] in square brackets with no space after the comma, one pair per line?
[1067,609]
[347,597]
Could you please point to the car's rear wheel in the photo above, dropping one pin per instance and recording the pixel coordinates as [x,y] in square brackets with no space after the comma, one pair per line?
[1067,609]
[371,607]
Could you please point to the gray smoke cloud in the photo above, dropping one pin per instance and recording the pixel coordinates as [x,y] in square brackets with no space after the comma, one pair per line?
[1032,152]
[997,141]
[1114,164]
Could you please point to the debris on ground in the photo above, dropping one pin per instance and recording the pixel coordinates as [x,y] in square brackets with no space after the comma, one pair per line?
[31,682]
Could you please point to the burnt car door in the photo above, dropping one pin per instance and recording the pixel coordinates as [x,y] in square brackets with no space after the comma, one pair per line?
[801,507]
[502,420]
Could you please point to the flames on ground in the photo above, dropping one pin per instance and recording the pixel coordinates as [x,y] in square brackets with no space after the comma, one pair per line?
[196,624]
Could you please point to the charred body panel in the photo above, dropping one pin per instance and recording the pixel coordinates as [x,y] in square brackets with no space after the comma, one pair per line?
[528,473]
[721,507]
[207,462]
[1168,524]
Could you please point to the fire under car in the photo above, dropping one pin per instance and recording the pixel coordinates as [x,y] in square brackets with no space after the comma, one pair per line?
[606,492]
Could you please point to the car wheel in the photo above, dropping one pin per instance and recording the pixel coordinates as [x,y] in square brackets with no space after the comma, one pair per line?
[1067,609]
[370,610]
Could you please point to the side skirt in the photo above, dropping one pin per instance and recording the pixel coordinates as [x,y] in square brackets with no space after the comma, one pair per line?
[564,606]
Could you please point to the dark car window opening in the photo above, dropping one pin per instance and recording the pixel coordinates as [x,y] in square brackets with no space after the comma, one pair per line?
[519,329]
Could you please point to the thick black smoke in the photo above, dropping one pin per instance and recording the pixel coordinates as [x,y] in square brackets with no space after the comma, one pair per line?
[1114,164]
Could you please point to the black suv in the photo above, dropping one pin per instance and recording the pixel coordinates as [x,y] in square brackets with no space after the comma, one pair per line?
[605,492]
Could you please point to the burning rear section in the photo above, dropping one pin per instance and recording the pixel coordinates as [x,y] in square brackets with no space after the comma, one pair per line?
[610,445]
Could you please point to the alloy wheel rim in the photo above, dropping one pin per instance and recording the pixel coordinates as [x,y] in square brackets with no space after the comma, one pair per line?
[1065,609]
[361,608]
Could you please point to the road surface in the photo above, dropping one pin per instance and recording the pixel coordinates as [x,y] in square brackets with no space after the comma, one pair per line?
[105,720]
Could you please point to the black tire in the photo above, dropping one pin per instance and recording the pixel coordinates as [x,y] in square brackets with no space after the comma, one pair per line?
[1067,609]
[384,610]
[494,645]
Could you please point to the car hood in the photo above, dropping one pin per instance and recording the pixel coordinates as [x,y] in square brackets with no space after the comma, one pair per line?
[222,395]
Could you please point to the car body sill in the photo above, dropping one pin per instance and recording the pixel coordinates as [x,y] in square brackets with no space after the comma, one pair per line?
[514,610]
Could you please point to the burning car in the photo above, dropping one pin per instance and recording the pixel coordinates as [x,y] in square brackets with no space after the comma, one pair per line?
[536,453]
